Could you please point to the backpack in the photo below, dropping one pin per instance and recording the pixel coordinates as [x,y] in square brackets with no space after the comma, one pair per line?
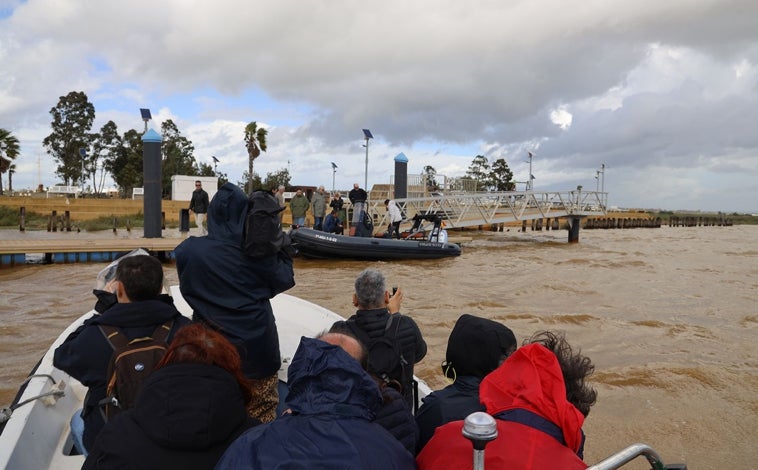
[130,365]
[263,229]
[385,358]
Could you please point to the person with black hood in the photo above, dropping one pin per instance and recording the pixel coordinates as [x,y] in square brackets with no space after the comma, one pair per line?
[476,347]
[86,354]
[190,409]
[230,292]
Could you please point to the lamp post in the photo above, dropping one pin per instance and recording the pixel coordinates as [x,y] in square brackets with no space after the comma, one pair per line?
[597,178]
[367,135]
[145,116]
[334,172]
[215,163]
[602,177]
[530,181]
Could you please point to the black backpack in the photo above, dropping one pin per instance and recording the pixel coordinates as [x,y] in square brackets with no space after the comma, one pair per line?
[385,357]
[130,365]
[263,229]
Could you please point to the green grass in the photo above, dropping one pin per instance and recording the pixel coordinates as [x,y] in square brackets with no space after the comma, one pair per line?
[9,218]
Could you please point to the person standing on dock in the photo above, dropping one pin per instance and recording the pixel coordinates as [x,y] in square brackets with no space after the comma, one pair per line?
[280,198]
[318,202]
[199,206]
[358,198]
[299,206]
[231,292]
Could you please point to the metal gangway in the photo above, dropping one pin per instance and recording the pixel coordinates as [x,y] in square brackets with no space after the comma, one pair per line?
[472,209]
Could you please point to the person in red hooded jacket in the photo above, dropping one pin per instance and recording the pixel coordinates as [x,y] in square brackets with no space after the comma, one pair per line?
[539,414]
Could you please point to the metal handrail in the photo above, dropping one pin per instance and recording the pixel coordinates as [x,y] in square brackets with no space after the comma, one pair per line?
[627,455]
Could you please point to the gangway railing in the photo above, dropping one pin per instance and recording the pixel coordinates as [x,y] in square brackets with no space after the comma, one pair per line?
[485,208]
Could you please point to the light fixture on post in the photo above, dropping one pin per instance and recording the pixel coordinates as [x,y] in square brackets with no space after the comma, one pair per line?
[530,182]
[334,172]
[367,135]
[215,163]
[145,116]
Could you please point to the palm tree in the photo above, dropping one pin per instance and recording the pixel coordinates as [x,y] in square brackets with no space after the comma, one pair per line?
[11,170]
[255,141]
[8,152]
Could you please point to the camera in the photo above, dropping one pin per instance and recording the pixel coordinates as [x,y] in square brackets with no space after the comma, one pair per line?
[394,289]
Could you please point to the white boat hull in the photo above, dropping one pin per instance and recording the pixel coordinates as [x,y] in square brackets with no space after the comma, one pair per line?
[37,436]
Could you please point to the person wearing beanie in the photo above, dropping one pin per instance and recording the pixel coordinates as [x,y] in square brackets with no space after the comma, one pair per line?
[476,347]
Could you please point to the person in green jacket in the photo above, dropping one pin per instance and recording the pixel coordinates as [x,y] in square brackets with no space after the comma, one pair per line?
[299,206]
[318,200]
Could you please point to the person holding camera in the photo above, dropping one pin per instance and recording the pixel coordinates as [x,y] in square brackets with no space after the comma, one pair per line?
[378,319]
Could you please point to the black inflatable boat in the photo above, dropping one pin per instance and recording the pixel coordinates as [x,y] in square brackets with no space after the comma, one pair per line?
[314,244]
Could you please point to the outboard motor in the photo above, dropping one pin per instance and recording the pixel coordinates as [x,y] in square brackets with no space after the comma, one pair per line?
[480,428]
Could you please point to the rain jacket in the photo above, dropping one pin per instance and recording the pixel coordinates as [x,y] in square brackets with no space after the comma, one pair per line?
[86,354]
[333,401]
[185,417]
[231,291]
[537,427]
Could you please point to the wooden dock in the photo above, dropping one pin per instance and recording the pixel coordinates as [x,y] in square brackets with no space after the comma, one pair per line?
[79,250]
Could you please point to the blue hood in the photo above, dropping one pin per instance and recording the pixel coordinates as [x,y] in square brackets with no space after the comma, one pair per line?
[324,379]
[226,214]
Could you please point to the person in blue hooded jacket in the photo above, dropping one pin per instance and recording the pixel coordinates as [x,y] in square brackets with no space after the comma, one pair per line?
[331,404]
[231,292]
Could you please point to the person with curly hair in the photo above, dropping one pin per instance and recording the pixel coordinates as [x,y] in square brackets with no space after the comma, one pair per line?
[539,398]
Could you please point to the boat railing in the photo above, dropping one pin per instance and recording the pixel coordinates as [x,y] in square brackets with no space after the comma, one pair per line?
[630,453]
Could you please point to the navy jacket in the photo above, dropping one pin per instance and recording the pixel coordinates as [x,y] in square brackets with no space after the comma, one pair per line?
[85,354]
[452,403]
[231,291]
[412,344]
[394,416]
[185,417]
[333,402]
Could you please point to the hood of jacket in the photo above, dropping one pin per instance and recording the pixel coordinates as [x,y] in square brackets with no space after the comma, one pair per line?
[324,380]
[137,314]
[227,213]
[190,406]
[476,345]
[531,379]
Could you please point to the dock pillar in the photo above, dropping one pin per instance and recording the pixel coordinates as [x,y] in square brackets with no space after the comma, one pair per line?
[573,224]
[401,176]
[151,169]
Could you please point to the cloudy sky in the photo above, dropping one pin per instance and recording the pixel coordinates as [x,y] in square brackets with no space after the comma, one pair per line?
[663,93]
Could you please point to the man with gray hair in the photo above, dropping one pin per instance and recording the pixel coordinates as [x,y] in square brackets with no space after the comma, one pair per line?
[385,332]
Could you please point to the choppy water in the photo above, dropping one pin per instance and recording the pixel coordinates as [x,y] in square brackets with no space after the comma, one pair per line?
[667,315]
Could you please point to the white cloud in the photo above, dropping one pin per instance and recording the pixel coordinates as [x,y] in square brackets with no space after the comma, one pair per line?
[636,85]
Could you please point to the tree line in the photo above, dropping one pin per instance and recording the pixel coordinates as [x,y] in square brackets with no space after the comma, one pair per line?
[480,176]
[88,159]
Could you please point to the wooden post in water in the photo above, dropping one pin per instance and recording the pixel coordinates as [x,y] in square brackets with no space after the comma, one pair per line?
[114,225]
[523,225]
[574,223]
[67,220]
[22,218]
[163,220]
[52,224]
